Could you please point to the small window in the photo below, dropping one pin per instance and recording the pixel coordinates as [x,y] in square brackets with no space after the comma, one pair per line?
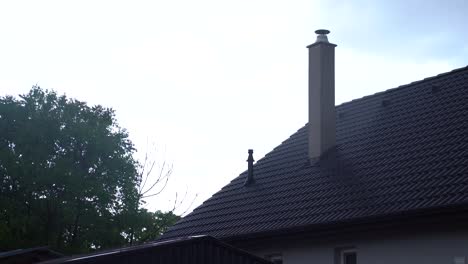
[275,258]
[348,256]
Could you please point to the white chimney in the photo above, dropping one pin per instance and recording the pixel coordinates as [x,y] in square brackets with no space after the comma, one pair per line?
[321,95]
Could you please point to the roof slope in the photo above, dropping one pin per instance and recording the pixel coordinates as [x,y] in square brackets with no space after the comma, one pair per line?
[399,150]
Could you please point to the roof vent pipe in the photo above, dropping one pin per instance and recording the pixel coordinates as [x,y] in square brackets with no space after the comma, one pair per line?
[250,176]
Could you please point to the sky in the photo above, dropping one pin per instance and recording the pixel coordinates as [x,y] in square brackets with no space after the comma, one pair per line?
[198,83]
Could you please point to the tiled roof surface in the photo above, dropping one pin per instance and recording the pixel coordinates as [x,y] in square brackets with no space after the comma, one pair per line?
[397,151]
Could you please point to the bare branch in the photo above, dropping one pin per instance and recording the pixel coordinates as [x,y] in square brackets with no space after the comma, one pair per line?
[152,185]
[160,178]
[154,194]
[148,173]
[188,208]
[183,198]
[143,169]
[175,203]
[142,172]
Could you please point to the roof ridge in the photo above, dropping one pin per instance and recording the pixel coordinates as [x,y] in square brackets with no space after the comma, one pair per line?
[406,85]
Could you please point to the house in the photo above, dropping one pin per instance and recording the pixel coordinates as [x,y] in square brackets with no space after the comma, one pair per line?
[381,179]
[197,250]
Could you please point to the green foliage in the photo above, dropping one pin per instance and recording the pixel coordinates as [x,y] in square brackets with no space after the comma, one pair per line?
[148,225]
[68,177]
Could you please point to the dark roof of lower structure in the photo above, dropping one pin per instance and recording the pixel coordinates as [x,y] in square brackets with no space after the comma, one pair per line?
[398,151]
[28,255]
[200,249]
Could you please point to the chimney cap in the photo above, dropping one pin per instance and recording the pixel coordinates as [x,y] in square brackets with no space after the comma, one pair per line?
[322,31]
[321,38]
[322,35]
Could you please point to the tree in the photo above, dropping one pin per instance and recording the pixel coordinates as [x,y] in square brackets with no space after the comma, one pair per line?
[68,176]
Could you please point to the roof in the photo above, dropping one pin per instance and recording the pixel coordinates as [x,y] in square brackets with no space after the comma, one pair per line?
[198,249]
[397,151]
[28,255]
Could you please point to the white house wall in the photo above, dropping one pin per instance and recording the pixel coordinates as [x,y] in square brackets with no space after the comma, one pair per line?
[428,248]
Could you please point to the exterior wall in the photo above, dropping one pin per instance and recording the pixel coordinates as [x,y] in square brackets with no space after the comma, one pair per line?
[440,247]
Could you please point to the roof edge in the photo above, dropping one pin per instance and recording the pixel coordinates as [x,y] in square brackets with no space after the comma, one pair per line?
[157,243]
[333,227]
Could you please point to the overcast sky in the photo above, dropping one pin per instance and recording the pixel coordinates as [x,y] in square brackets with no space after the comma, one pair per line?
[206,80]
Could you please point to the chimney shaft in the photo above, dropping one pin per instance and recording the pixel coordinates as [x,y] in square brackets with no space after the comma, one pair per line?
[321,95]
[250,176]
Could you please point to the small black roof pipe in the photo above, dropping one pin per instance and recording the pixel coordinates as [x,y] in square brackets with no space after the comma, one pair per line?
[250,176]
